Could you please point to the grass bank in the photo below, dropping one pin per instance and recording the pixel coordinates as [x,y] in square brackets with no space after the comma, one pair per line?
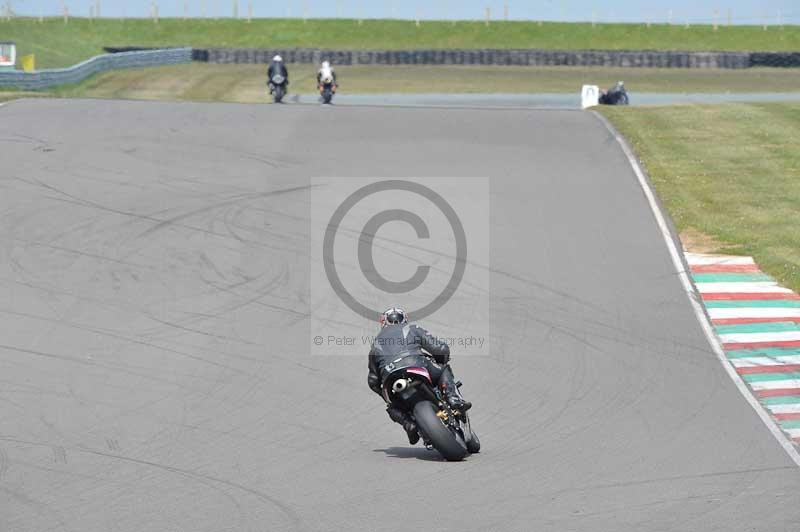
[728,174]
[57,44]
[245,83]
[7,96]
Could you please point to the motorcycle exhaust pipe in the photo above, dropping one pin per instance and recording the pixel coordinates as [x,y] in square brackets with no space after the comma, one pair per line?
[399,385]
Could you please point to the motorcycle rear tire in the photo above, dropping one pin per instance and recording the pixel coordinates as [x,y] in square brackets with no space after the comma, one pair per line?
[450,445]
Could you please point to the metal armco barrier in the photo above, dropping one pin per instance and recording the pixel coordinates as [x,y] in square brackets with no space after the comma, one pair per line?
[601,58]
[45,79]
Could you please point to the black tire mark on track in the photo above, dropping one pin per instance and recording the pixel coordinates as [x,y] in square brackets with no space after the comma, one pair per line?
[231,201]
[284,508]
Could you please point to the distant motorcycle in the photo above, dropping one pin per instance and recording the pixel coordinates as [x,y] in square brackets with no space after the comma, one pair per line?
[327,88]
[277,86]
[411,389]
[617,95]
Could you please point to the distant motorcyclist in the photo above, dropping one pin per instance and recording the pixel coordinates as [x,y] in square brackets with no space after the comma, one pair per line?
[400,339]
[616,95]
[326,74]
[277,67]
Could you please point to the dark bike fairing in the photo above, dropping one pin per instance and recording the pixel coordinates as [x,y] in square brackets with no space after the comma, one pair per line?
[327,90]
[277,86]
[412,391]
[409,386]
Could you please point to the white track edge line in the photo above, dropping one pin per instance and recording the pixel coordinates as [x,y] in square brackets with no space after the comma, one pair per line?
[24,99]
[692,295]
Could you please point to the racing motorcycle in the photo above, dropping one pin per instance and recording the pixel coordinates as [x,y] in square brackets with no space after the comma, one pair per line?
[411,389]
[277,86]
[327,88]
[617,95]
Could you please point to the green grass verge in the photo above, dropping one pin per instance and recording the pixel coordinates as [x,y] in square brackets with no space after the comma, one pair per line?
[731,172]
[245,83]
[7,96]
[57,44]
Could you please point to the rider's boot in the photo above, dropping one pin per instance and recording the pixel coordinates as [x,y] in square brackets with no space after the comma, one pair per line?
[451,393]
[398,416]
[411,431]
[457,402]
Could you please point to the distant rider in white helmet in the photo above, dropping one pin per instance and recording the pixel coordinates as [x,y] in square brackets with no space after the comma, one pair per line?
[326,74]
[277,67]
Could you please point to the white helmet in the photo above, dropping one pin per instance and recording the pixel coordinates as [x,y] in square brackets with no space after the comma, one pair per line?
[277,59]
[326,64]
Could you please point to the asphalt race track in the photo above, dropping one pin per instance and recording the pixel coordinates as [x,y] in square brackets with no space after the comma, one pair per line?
[154,361]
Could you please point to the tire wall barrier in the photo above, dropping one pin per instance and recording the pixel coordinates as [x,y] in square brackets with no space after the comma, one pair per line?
[585,58]
[45,79]
[775,59]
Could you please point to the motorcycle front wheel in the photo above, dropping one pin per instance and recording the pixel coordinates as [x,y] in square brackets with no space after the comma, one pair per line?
[449,444]
[278,94]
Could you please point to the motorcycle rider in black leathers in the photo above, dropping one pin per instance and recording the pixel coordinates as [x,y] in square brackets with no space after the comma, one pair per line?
[277,67]
[617,95]
[399,339]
